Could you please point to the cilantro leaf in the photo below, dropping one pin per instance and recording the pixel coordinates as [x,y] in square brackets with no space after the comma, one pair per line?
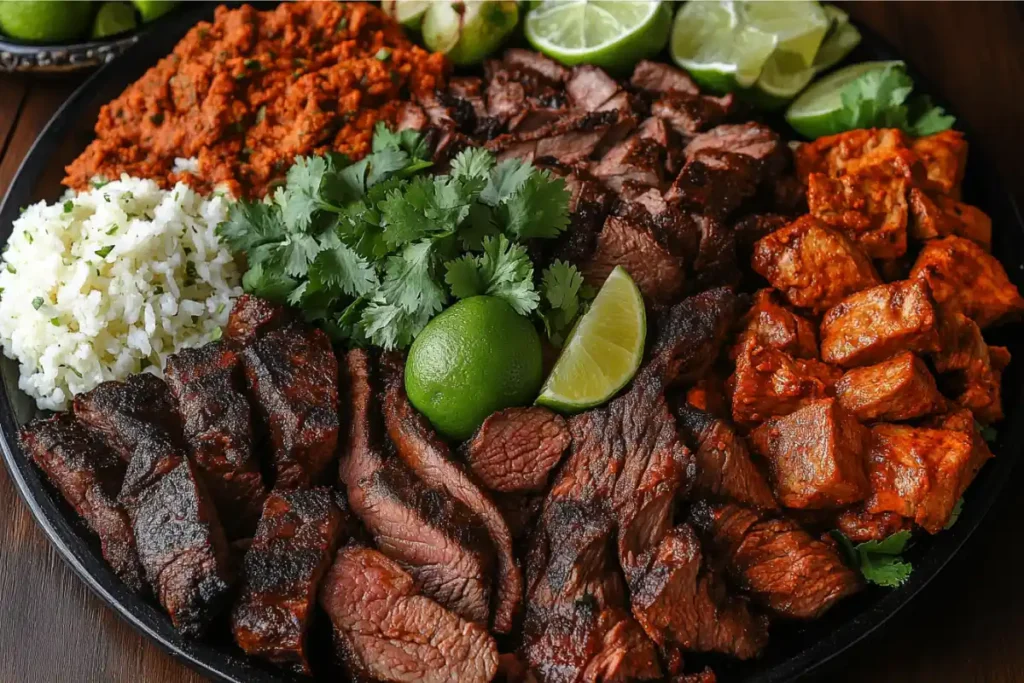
[267,283]
[408,141]
[472,163]
[561,285]
[879,99]
[464,278]
[504,180]
[251,224]
[539,208]
[879,562]
[297,253]
[300,199]
[390,326]
[409,282]
[885,570]
[341,268]
[504,270]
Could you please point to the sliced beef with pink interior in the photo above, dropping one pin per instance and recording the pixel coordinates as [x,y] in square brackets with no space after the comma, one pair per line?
[660,77]
[515,449]
[637,160]
[387,631]
[589,87]
[634,242]
[89,476]
[715,183]
[536,62]
[751,139]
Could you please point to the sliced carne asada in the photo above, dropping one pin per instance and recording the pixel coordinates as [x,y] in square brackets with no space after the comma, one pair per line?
[660,77]
[751,139]
[209,386]
[515,449]
[715,183]
[691,334]
[435,538]
[690,114]
[89,476]
[125,414]
[292,376]
[636,160]
[289,555]
[589,87]
[636,246]
[426,455]
[252,317]
[388,632]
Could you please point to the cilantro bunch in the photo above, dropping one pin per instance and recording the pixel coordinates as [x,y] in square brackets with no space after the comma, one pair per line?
[880,562]
[372,250]
[879,99]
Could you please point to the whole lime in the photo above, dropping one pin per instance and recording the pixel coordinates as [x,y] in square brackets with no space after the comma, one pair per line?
[113,18]
[154,9]
[477,357]
[44,21]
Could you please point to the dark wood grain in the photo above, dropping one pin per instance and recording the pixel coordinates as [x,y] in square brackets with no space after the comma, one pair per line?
[967,626]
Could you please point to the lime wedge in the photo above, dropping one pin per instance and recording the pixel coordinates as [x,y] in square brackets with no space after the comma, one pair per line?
[840,40]
[408,13]
[603,351]
[113,18]
[814,113]
[609,33]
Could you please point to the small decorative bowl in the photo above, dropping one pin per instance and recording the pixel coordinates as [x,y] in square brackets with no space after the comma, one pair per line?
[24,58]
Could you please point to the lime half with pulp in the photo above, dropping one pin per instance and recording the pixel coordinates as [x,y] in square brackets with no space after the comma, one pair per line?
[609,33]
[408,13]
[815,113]
[840,40]
[603,351]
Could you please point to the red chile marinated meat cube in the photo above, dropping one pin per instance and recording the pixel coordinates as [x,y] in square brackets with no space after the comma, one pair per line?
[290,553]
[918,473]
[771,324]
[837,155]
[937,215]
[860,526]
[963,421]
[813,265]
[815,456]
[292,375]
[209,386]
[872,325]
[964,278]
[944,157]
[387,631]
[900,388]
[89,477]
[626,242]
[515,449]
[971,368]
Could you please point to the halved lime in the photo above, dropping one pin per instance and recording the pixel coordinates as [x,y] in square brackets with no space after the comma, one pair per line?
[814,113]
[604,350]
[609,33]
[113,18]
[842,37]
[408,13]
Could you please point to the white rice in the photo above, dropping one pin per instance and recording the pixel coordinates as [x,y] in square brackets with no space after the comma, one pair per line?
[109,282]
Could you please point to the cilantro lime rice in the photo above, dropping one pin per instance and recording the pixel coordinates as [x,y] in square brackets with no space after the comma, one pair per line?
[109,282]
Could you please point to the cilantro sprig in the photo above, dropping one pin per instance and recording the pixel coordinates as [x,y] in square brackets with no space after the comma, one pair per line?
[372,250]
[879,562]
[881,99]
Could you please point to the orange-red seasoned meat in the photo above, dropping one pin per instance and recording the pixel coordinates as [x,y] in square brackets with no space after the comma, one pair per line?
[815,456]
[937,215]
[900,388]
[944,157]
[813,265]
[769,382]
[917,472]
[869,326]
[963,277]
[963,421]
[975,368]
[837,155]
[860,526]
[773,325]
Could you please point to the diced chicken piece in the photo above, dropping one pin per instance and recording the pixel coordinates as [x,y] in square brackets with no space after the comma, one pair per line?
[589,87]
[715,183]
[916,472]
[869,326]
[963,277]
[944,156]
[940,216]
[768,382]
[860,526]
[963,421]
[869,207]
[975,368]
[751,139]
[690,114]
[900,388]
[660,77]
[813,265]
[815,456]
[837,155]
[634,246]
[773,325]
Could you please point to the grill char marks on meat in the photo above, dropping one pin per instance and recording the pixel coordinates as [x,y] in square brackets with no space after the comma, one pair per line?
[128,413]
[386,631]
[253,317]
[725,469]
[89,476]
[435,538]
[779,564]
[516,448]
[290,553]
[292,376]
[692,333]
[633,242]
[209,387]
[427,456]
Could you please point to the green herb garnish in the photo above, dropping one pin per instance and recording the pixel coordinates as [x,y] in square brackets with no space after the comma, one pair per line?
[102,253]
[38,302]
[879,99]
[880,562]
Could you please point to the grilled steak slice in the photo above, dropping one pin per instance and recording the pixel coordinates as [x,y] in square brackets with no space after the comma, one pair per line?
[691,334]
[388,632]
[292,375]
[252,317]
[427,456]
[636,160]
[751,139]
[678,600]
[516,448]
[127,413]
[589,87]
[716,263]
[725,469]
[689,114]
[639,248]
[589,204]
[209,386]
[520,511]
[715,183]
[783,567]
[290,553]
[569,139]
[660,77]
[554,72]
[434,537]
[89,476]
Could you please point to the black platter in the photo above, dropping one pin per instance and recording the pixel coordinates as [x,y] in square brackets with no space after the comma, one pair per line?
[793,651]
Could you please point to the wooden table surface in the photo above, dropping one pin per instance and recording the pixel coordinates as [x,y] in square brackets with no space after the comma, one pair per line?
[967,626]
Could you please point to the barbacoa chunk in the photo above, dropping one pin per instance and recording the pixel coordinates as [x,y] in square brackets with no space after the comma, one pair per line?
[813,265]
[626,242]
[515,449]
[772,325]
[769,382]
[387,631]
[964,277]
[815,456]
[872,325]
[918,472]
[937,215]
[290,553]
[944,156]
[845,153]
[292,375]
[900,388]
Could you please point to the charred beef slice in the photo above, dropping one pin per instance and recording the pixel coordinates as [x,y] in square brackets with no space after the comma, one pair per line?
[252,317]
[387,631]
[210,390]
[430,459]
[89,476]
[290,553]
[515,449]
[292,376]
[691,334]
[434,537]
